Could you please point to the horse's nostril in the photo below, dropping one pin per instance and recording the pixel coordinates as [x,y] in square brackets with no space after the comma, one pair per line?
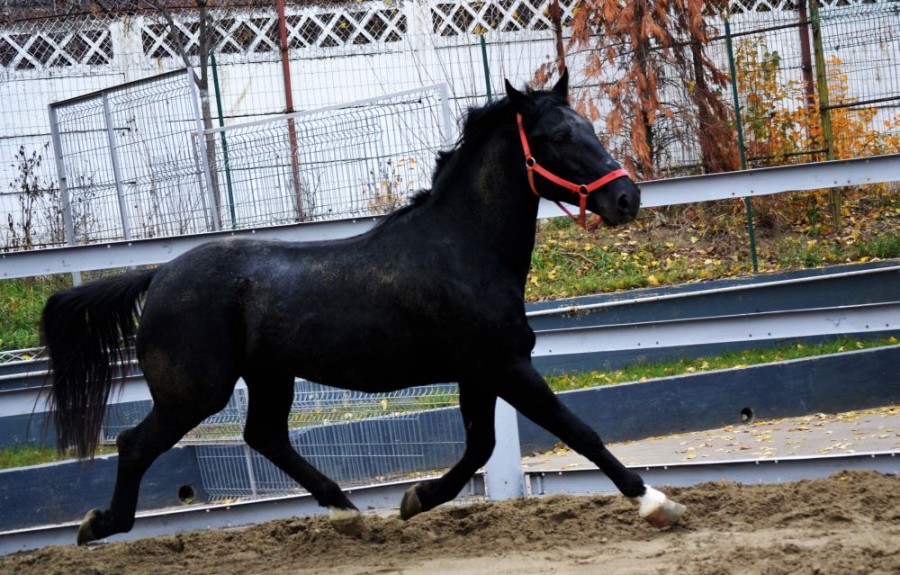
[624,202]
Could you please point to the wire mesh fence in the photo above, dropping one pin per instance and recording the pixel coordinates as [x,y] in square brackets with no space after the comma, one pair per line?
[356,159]
[353,437]
[348,51]
[784,91]
[129,167]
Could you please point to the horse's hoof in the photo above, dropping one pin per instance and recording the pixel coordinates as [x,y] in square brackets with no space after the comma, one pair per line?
[658,510]
[86,530]
[348,522]
[411,505]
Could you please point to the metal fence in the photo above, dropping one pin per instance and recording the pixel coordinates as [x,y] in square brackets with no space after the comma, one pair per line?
[793,67]
[352,437]
[352,51]
[127,163]
[359,158]
[134,162]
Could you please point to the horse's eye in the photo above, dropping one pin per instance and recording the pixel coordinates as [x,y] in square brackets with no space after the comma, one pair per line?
[559,137]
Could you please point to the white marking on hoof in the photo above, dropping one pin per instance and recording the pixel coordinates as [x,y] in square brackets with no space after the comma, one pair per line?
[657,510]
[347,521]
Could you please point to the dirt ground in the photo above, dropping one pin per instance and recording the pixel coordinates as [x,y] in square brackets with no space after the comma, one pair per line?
[848,523]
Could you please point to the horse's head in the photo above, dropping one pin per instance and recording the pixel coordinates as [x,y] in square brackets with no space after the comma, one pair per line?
[566,161]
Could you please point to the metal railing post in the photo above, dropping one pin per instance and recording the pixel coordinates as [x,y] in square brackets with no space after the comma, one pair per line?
[202,152]
[446,117]
[227,165]
[68,219]
[117,168]
[504,469]
[748,204]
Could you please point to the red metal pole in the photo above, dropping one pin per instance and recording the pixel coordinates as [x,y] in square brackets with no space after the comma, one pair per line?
[806,59]
[289,108]
[557,28]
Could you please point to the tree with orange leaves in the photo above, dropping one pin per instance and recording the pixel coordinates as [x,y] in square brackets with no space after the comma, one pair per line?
[642,53]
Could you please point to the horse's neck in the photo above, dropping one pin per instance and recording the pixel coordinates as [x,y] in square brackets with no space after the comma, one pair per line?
[487,189]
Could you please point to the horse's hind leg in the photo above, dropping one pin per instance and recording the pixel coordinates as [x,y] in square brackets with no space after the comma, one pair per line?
[266,431]
[184,394]
[526,390]
[476,404]
[138,449]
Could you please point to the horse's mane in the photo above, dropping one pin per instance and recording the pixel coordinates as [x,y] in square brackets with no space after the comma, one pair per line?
[478,123]
[481,121]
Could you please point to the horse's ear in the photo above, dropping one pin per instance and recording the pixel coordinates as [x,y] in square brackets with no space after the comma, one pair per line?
[518,99]
[562,85]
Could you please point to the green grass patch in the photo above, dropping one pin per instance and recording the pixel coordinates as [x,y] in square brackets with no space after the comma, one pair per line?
[645,371]
[670,246]
[23,456]
[21,302]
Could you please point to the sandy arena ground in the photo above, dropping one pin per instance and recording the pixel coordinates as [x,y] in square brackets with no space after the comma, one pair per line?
[845,524]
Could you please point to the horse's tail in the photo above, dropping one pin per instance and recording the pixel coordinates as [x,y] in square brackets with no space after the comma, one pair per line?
[88,331]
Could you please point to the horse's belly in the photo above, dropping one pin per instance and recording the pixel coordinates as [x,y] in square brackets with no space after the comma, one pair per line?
[376,373]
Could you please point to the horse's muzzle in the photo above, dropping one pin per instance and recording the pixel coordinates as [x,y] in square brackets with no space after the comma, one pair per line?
[620,204]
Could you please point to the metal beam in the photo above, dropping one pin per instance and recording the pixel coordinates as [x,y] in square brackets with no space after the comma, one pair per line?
[767,181]
[708,187]
[32,400]
[386,496]
[781,470]
[761,182]
[868,318]
[800,283]
[156,251]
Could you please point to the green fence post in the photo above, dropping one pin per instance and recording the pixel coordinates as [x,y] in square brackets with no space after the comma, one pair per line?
[228,184]
[834,194]
[740,136]
[487,68]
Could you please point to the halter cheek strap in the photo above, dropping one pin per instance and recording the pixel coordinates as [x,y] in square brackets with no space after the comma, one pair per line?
[583,190]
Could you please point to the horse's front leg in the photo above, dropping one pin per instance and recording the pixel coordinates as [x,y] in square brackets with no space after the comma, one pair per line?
[476,404]
[526,390]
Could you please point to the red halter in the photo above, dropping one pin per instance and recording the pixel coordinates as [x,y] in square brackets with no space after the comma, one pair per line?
[583,190]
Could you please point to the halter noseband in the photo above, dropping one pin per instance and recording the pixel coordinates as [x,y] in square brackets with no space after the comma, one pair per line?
[583,190]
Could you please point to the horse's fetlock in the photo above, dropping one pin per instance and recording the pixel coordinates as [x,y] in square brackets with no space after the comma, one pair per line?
[633,486]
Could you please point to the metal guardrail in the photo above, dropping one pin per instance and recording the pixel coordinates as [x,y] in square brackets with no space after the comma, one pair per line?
[387,495]
[868,318]
[750,183]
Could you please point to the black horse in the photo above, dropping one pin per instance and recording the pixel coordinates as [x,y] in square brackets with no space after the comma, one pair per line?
[434,293]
